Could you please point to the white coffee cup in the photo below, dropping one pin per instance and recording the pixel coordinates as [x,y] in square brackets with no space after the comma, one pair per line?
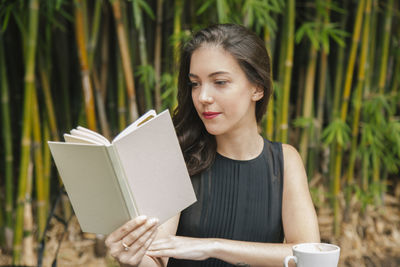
[314,255]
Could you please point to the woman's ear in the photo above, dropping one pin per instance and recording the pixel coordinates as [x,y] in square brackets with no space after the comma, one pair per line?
[258,93]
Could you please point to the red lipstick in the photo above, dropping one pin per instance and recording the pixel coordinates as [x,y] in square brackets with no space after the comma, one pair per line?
[210,115]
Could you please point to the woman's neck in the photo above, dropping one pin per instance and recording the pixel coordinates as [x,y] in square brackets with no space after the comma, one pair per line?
[242,145]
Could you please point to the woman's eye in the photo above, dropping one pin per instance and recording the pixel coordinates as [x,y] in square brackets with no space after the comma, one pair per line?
[220,82]
[193,84]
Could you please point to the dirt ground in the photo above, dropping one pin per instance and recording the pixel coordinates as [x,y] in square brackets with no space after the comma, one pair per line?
[370,238]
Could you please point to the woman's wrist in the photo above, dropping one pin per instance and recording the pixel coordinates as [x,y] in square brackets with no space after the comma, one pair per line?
[214,248]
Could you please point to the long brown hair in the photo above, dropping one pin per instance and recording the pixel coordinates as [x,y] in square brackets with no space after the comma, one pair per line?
[198,146]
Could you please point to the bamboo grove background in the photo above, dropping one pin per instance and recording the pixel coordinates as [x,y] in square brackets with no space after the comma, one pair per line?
[99,63]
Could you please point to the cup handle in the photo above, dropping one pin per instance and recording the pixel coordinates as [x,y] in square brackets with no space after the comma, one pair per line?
[288,258]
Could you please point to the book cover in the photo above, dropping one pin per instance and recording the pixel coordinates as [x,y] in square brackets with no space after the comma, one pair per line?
[142,171]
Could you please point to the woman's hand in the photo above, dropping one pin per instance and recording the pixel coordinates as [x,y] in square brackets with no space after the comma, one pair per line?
[182,248]
[129,243]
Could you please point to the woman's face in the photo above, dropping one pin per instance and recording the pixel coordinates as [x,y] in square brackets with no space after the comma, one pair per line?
[222,95]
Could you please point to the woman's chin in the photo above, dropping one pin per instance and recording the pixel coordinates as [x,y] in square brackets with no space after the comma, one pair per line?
[214,130]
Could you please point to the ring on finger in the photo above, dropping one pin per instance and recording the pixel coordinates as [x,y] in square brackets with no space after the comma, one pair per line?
[126,247]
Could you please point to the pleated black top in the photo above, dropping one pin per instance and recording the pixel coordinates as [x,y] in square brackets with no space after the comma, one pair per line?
[238,200]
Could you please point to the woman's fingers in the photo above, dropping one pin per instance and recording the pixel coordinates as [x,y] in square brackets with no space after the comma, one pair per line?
[139,254]
[141,241]
[125,229]
[129,243]
[130,238]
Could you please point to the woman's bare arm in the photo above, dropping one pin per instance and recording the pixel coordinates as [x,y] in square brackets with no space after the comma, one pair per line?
[299,222]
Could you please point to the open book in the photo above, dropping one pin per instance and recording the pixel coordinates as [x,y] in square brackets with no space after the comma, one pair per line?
[141,172]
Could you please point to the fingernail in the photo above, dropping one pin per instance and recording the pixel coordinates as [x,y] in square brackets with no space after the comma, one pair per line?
[153,221]
[141,218]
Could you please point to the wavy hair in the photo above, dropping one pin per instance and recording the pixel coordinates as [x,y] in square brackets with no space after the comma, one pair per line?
[198,146]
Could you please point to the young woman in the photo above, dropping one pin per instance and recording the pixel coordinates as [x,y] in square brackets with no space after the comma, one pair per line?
[253,198]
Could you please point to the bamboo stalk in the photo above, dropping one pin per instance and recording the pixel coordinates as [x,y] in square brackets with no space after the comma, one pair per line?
[29,258]
[125,55]
[338,86]
[26,128]
[322,85]
[369,72]
[121,97]
[91,48]
[83,60]
[288,71]
[39,172]
[270,109]
[44,78]
[352,58]
[2,224]
[176,45]
[104,56]
[358,99]
[8,150]
[100,105]
[382,84]
[308,102]
[98,91]
[281,75]
[385,47]
[343,115]
[157,55]
[299,102]
[143,51]
[315,145]
[46,165]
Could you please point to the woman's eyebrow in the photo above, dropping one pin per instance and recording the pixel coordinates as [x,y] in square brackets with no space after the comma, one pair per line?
[209,75]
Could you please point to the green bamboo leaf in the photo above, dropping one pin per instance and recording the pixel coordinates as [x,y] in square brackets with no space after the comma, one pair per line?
[393,134]
[309,29]
[337,131]
[6,19]
[334,6]
[146,75]
[145,6]
[277,5]
[204,7]
[300,33]
[391,163]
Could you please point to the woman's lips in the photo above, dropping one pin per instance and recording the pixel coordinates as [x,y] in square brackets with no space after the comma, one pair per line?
[210,115]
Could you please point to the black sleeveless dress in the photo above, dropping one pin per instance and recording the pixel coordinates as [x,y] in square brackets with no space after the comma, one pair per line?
[238,200]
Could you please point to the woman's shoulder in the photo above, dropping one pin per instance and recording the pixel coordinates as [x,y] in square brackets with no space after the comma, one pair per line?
[289,153]
[289,150]
[293,163]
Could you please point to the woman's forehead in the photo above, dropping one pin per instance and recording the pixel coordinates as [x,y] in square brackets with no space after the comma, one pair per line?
[212,59]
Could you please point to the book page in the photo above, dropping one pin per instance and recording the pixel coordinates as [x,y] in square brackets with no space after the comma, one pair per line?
[80,128]
[92,186]
[155,168]
[139,122]
[90,136]
[77,139]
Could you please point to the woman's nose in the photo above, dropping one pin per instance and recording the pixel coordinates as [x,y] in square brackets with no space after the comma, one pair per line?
[205,96]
